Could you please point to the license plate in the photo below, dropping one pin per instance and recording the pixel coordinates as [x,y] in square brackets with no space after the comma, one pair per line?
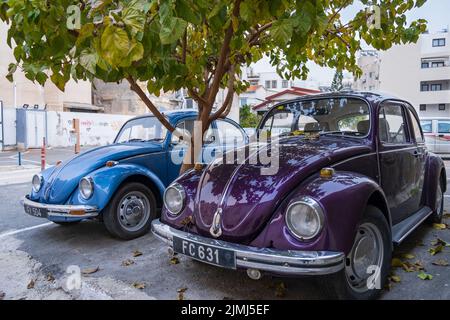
[208,254]
[35,211]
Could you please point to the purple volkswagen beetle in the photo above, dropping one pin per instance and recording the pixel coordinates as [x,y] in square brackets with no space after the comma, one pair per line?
[354,179]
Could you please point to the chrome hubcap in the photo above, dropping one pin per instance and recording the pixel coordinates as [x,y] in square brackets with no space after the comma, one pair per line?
[133,211]
[366,256]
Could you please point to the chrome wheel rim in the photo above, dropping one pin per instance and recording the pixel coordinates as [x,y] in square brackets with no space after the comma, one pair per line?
[439,200]
[133,211]
[365,258]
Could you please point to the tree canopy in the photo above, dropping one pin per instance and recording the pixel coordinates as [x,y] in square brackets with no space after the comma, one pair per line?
[337,85]
[199,45]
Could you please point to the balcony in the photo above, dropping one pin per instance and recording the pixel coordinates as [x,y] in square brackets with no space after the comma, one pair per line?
[434,97]
[435,74]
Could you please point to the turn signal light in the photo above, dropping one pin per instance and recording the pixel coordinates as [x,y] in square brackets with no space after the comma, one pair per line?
[77,212]
[110,164]
[327,173]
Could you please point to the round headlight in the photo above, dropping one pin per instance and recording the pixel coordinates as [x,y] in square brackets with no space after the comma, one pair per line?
[86,187]
[37,182]
[304,218]
[174,198]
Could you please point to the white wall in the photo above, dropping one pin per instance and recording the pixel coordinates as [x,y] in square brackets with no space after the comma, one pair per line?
[95,128]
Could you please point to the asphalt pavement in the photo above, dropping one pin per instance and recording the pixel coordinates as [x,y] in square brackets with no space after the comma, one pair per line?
[39,260]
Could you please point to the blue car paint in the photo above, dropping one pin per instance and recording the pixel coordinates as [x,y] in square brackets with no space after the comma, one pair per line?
[145,159]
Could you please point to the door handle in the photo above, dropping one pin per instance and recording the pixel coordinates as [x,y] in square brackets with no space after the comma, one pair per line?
[418,154]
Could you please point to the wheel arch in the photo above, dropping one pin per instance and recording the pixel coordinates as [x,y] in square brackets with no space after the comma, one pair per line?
[147,181]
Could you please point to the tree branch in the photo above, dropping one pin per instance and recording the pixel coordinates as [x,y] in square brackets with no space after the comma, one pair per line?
[136,88]
[255,36]
[228,98]
[220,70]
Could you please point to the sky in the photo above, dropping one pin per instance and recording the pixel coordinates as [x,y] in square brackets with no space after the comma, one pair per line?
[436,12]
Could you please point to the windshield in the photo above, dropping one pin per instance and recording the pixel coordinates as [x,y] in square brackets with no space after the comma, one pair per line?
[142,129]
[337,116]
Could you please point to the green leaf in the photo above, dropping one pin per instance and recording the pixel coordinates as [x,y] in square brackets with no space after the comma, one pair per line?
[115,45]
[88,60]
[425,276]
[172,30]
[282,31]
[58,80]
[134,19]
[41,77]
[185,10]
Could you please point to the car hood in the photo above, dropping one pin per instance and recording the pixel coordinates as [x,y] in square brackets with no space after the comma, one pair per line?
[64,179]
[248,198]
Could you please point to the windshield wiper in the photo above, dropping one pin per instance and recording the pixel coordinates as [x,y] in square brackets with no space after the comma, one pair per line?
[136,140]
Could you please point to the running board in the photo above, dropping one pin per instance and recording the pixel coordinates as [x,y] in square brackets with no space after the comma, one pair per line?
[402,229]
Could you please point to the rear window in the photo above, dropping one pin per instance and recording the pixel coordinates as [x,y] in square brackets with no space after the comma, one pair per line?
[426,126]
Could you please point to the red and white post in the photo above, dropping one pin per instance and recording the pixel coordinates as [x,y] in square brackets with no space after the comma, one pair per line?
[43,154]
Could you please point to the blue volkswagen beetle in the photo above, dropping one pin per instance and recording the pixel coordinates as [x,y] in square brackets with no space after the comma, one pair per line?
[122,184]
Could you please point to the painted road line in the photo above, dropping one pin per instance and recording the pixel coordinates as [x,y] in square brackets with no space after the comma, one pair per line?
[11,233]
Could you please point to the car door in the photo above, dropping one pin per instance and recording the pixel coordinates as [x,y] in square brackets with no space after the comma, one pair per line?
[420,154]
[397,157]
[443,136]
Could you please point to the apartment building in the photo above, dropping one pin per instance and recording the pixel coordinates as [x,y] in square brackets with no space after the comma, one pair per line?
[418,73]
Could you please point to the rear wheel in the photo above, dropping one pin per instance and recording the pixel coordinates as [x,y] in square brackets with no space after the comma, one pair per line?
[130,212]
[437,215]
[368,263]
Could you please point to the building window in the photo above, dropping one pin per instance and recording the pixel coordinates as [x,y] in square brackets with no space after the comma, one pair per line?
[370,75]
[189,103]
[425,65]
[285,84]
[423,107]
[425,87]
[436,87]
[243,101]
[438,64]
[439,42]
[267,84]
[442,107]
[274,84]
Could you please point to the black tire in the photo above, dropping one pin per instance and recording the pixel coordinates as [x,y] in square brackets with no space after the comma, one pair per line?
[67,223]
[436,216]
[115,219]
[338,286]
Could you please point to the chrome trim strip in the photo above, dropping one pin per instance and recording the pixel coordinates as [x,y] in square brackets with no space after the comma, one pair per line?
[289,262]
[414,227]
[56,210]
[353,158]
[397,150]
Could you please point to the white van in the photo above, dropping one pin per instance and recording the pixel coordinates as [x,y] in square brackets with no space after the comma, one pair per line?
[437,135]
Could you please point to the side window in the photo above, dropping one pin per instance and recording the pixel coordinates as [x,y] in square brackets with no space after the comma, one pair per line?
[392,128]
[184,126]
[443,126]
[427,126]
[229,133]
[416,128]
[279,122]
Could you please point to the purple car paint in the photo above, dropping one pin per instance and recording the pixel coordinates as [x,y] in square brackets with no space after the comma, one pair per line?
[373,163]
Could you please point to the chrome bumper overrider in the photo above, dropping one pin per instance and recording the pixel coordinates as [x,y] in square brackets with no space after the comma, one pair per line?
[288,262]
[63,212]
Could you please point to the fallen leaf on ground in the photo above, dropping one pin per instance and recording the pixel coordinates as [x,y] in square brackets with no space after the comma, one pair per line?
[418,266]
[90,270]
[420,243]
[280,290]
[408,267]
[182,290]
[436,249]
[440,262]
[408,256]
[439,226]
[180,296]
[438,241]
[446,215]
[174,260]
[395,278]
[396,263]
[50,277]
[425,276]
[30,284]
[137,253]
[2,295]
[139,285]
[127,262]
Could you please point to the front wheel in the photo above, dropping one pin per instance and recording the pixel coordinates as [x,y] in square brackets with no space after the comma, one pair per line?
[368,263]
[130,212]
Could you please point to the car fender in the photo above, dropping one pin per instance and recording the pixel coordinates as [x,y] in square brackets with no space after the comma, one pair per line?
[108,179]
[434,166]
[343,198]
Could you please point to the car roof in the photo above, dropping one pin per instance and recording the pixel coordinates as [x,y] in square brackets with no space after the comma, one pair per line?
[172,115]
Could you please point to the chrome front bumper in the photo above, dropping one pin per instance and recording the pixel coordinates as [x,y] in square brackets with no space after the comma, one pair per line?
[286,262]
[56,212]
